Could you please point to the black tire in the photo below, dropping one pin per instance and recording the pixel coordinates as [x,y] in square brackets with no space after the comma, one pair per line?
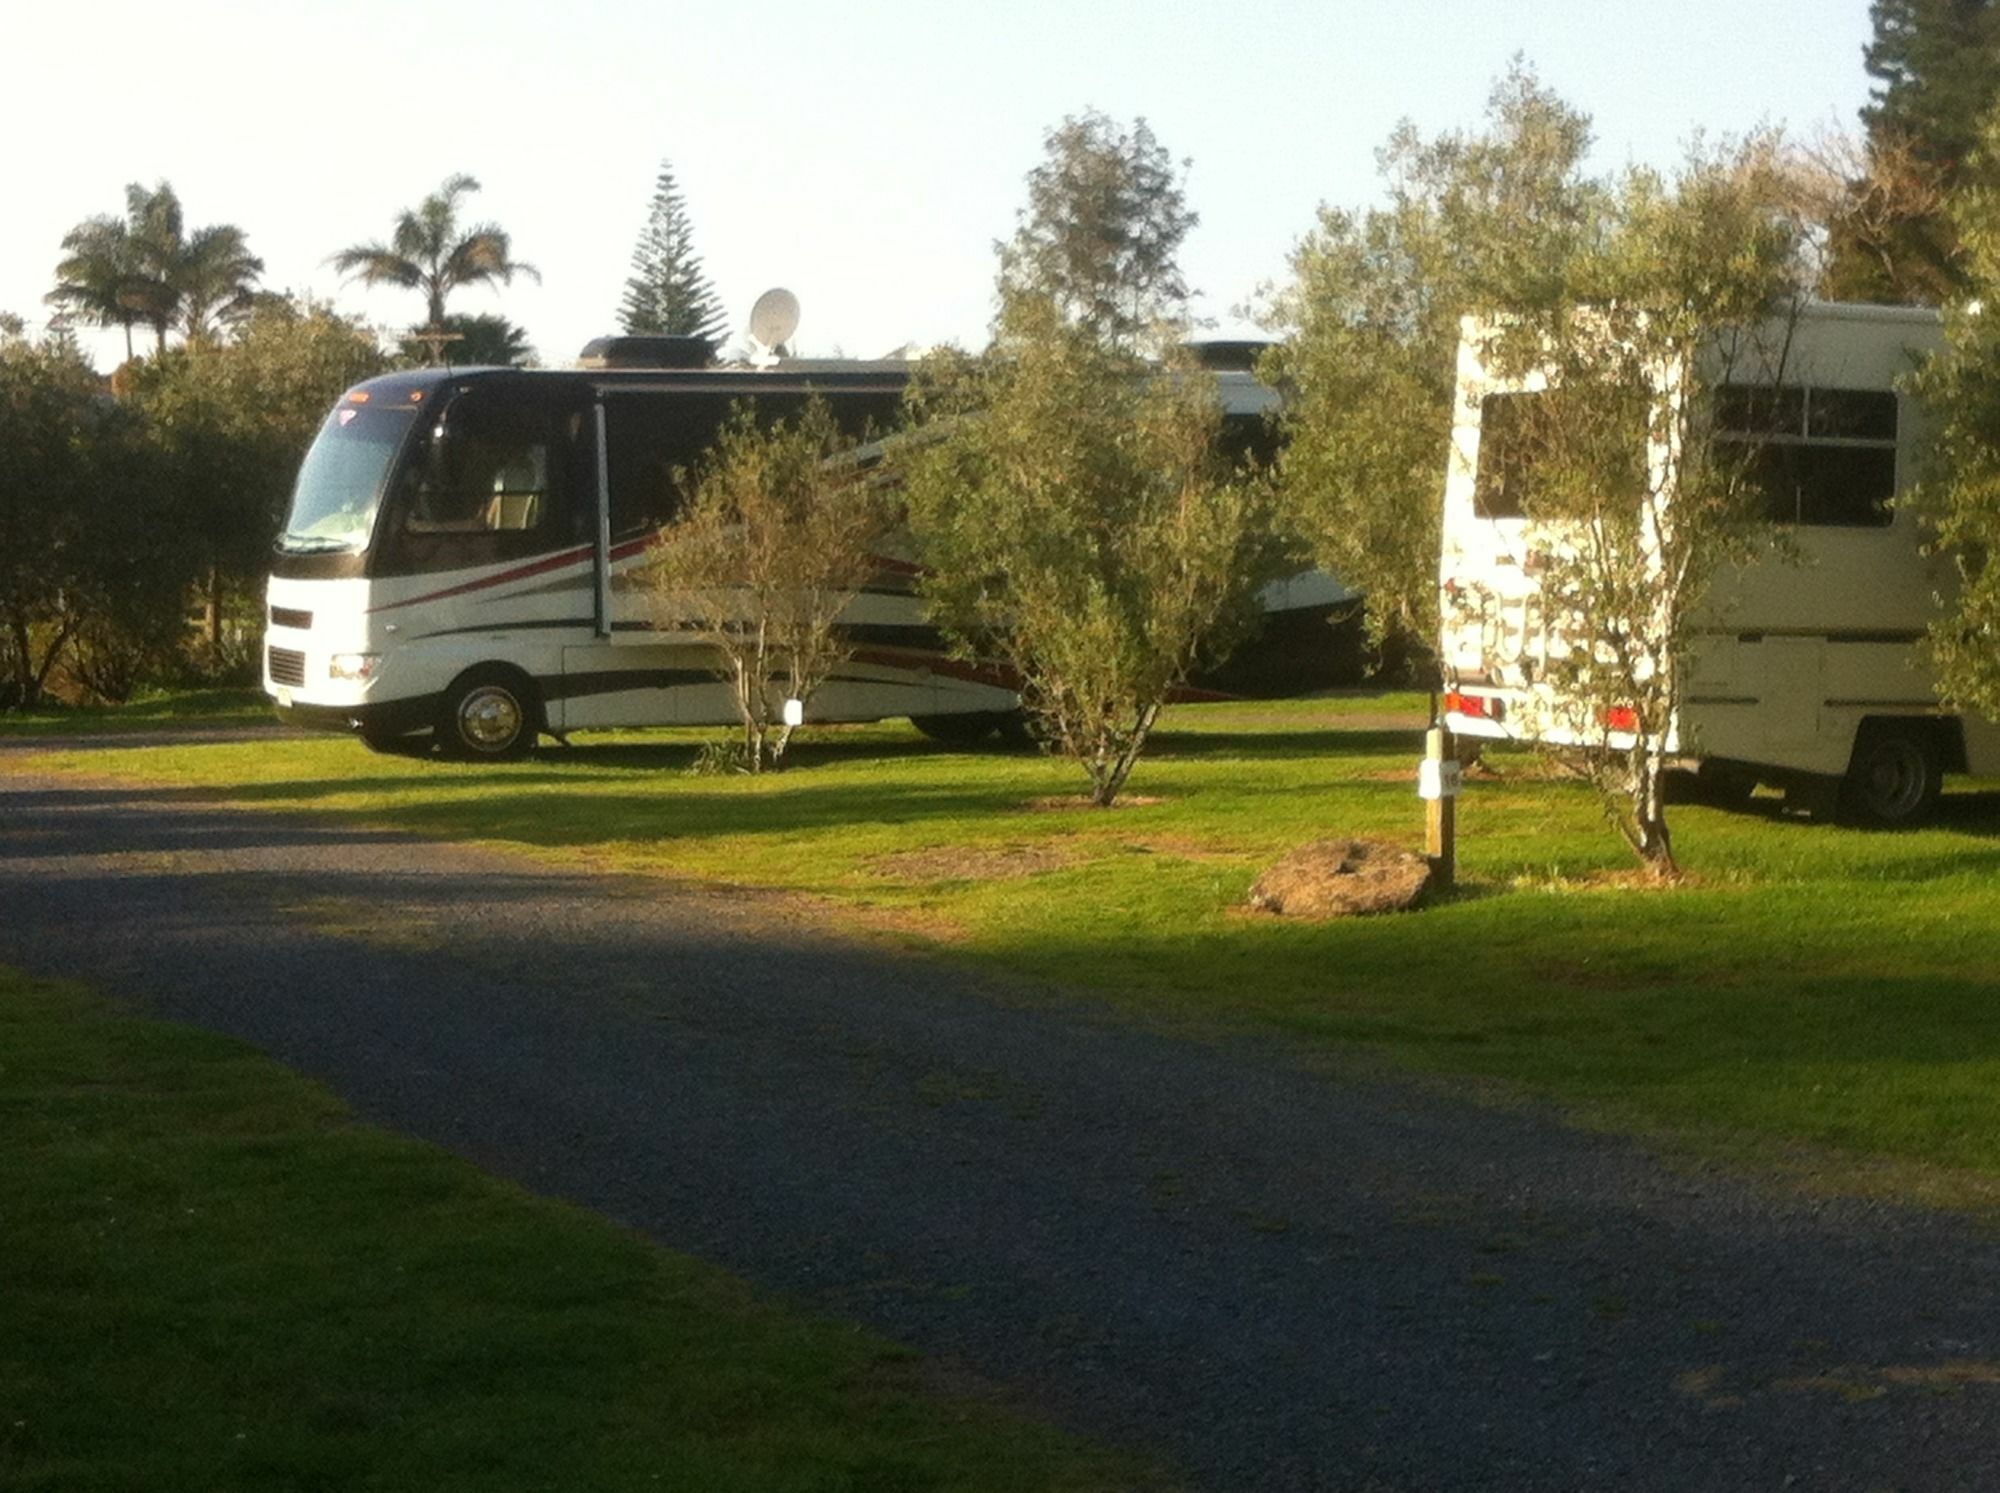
[1725,785]
[963,730]
[489,714]
[1895,776]
[1017,731]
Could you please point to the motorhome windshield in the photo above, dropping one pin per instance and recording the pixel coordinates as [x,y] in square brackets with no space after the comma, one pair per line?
[340,485]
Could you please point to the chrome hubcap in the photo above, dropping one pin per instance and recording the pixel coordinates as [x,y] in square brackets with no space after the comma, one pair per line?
[489,719]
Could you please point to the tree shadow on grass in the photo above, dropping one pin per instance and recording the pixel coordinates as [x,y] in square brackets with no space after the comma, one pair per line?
[1284,745]
[803,754]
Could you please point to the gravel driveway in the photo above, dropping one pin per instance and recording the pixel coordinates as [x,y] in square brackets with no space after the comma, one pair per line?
[1281,1274]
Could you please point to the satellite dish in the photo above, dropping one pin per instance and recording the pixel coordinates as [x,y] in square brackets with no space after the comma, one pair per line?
[773,320]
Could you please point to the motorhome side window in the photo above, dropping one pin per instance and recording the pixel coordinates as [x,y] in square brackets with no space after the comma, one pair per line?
[655,441]
[1824,457]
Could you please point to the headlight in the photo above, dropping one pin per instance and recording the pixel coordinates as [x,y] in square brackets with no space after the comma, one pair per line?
[356,668]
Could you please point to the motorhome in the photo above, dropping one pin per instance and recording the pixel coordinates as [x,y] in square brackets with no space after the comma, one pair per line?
[462,562]
[1805,670]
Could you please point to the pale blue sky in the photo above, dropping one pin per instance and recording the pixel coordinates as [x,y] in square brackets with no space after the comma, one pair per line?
[864,155]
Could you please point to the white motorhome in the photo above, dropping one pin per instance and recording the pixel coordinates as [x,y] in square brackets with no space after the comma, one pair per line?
[1805,671]
[460,563]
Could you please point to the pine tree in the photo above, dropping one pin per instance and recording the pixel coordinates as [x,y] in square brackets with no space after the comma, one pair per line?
[1937,69]
[669,291]
[1936,65]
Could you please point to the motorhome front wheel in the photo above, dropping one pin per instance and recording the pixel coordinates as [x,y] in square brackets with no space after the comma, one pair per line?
[488,716]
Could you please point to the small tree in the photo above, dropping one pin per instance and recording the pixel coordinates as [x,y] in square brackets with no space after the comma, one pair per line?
[777,535]
[1639,488]
[1486,222]
[1070,501]
[1078,522]
[669,292]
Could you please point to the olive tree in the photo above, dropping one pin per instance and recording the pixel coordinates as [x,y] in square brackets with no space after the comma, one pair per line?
[1480,222]
[1638,480]
[1076,517]
[777,535]
[1078,523]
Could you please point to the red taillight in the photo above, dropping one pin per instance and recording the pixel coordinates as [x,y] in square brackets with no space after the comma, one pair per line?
[1479,707]
[1622,718]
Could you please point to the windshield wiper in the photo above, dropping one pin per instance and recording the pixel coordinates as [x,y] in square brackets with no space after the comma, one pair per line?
[312,544]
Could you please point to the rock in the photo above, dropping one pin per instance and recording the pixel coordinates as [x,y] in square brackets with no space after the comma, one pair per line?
[1342,878]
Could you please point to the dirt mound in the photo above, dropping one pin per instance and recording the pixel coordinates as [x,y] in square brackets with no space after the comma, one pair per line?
[1342,878]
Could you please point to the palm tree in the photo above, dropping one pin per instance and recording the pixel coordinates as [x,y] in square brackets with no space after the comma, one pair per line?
[154,232]
[93,275]
[429,252]
[216,275]
[147,267]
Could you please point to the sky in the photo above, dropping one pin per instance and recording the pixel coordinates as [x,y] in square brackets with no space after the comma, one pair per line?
[865,156]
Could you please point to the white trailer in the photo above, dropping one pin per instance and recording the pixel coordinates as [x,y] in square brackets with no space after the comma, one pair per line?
[1805,670]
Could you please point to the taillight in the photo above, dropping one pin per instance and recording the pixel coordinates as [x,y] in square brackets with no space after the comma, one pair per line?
[1622,718]
[1479,707]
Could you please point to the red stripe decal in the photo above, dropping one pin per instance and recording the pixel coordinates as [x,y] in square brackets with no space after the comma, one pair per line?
[621,551]
[518,573]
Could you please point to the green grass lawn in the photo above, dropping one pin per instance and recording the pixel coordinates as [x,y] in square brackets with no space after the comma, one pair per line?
[212,1278]
[1811,983]
[150,712]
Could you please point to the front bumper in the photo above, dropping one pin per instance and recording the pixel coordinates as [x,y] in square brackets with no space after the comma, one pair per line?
[391,718]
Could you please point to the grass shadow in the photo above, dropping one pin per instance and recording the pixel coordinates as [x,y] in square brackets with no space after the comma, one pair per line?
[1284,745]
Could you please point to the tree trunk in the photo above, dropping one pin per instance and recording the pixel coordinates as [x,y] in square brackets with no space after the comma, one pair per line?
[1651,838]
[24,674]
[1110,782]
[215,617]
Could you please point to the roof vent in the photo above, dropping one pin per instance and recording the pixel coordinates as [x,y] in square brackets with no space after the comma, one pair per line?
[646,352]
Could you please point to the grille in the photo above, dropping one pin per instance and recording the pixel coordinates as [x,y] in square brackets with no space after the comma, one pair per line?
[291,617]
[285,665]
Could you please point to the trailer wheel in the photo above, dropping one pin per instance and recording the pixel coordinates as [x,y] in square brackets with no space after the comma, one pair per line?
[489,714]
[966,729]
[1895,776]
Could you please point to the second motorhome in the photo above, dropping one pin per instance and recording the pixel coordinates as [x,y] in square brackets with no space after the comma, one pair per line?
[1806,670]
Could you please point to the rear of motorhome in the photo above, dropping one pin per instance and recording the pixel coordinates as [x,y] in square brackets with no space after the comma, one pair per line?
[1805,670]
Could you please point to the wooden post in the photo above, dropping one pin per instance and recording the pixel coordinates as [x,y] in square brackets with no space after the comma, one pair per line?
[1441,807]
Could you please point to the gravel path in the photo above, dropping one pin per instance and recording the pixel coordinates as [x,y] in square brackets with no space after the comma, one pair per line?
[1281,1275]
